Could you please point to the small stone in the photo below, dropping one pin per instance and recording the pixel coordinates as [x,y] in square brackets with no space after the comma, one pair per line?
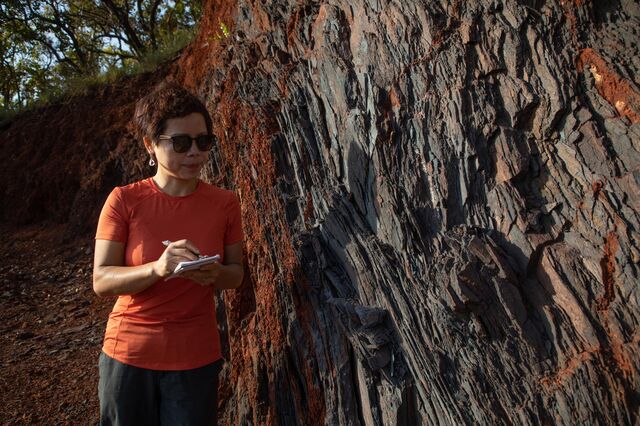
[24,335]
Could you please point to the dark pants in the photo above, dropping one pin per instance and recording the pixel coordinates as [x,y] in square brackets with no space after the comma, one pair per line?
[137,396]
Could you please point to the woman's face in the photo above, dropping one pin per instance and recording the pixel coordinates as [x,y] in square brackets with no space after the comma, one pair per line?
[187,165]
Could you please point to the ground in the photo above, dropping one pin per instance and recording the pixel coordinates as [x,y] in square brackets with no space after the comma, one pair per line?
[51,327]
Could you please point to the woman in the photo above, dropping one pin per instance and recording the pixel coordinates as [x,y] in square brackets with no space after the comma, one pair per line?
[161,354]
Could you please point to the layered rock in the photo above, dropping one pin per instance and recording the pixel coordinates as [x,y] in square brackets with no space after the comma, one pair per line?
[441,209]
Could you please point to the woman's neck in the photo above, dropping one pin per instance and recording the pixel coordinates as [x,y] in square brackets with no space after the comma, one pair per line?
[174,186]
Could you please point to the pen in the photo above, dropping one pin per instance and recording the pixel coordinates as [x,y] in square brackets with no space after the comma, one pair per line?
[167,242]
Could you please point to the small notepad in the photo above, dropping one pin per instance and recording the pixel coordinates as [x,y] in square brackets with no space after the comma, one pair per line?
[192,264]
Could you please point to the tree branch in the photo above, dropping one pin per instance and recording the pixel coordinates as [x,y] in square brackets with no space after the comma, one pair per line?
[153,17]
[123,18]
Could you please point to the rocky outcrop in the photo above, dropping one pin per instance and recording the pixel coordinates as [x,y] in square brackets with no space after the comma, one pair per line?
[441,208]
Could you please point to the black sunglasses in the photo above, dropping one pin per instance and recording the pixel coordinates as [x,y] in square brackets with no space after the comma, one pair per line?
[182,143]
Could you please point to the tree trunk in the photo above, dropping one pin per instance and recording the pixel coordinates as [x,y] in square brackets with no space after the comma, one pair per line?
[440,202]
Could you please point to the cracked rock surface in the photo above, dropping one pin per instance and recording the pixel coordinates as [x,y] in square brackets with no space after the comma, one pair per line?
[447,193]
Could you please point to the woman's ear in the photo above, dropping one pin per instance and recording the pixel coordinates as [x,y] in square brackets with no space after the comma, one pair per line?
[148,144]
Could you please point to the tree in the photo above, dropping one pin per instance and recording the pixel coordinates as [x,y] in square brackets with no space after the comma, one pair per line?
[45,42]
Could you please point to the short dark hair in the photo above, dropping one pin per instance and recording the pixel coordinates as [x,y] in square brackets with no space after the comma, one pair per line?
[166,101]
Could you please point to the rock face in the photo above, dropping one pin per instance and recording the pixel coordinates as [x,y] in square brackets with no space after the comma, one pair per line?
[441,206]
[440,202]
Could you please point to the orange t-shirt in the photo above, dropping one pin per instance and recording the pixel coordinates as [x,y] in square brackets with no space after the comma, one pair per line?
[172,324]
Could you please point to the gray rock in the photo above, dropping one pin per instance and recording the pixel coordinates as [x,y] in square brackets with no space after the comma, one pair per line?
[462,194]
[440,202]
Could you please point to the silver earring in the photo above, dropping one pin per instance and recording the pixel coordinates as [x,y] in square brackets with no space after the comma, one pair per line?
[151,162]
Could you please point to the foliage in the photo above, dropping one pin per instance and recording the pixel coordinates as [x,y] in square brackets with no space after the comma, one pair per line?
[51,47]
[224,29]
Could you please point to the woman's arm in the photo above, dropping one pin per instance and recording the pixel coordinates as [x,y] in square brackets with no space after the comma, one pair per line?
[221,276]
[232,272]
[112,278]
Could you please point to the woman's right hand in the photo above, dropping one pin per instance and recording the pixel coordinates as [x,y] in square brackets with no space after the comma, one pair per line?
[176,252]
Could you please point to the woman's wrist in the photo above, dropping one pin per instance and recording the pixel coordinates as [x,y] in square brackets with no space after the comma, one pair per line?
[229,277]
[156,271]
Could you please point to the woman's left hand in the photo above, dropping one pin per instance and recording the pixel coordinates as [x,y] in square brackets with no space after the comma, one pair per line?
[206,275]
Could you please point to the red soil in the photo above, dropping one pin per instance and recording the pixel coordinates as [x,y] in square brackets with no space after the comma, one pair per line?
[52,326]
[616,90]
[65,158]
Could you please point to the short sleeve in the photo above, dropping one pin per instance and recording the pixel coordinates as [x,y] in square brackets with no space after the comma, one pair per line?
[233,232]
[113,224]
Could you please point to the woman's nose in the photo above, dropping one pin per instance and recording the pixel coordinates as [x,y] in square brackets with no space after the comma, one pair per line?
[193,149]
